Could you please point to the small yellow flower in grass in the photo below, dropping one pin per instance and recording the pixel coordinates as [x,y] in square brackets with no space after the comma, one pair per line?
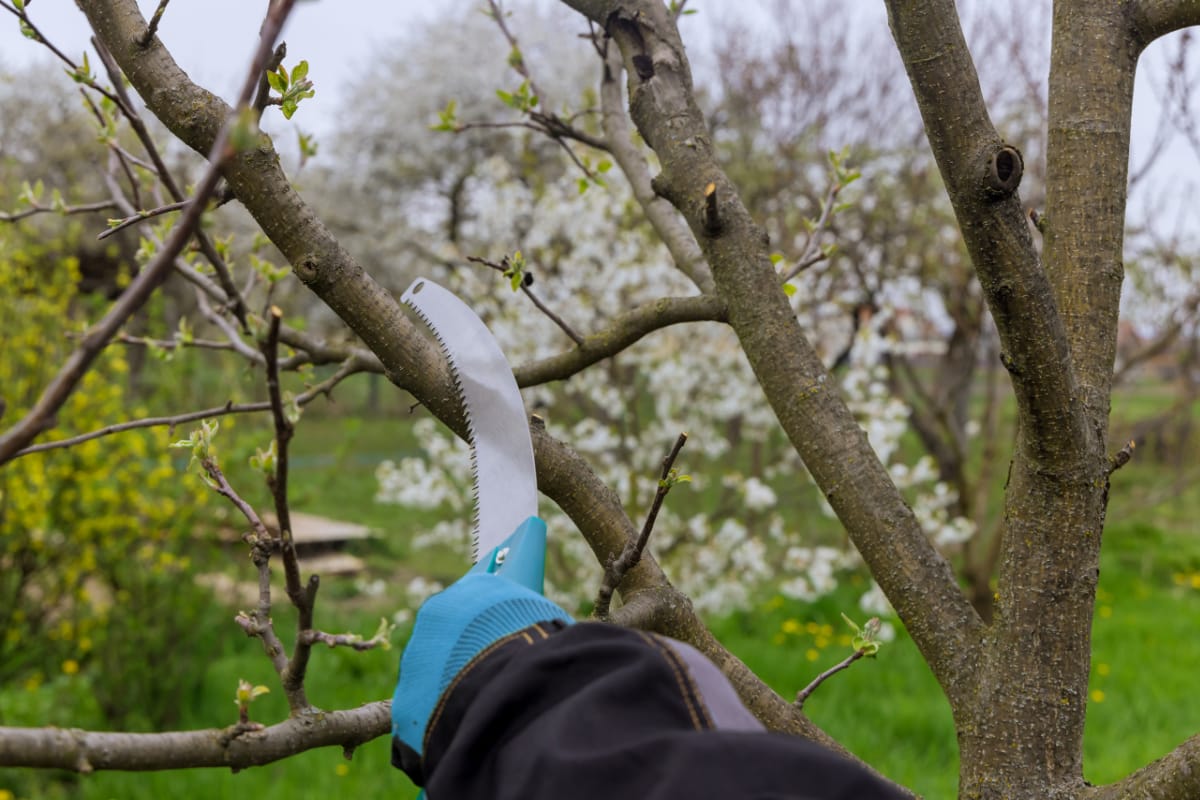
[70,666]
[1195,580]
[342,770]
[812,654]
[1103,669]
[791,626]
[5,794]
[1097,696]
[1105,612]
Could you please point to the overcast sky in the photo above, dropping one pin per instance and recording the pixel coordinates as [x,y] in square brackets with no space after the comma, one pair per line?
[213,40]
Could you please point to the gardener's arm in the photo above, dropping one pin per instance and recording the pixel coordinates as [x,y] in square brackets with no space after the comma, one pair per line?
[552,710]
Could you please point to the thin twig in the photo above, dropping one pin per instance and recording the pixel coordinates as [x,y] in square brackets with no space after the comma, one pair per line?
[235,340]
[550,125]
[1122,456]
[41,416]
[152,27]
[37,208]
[38,37]
[263,97]
[171,344]
[221,486]
[302,597]
[632,553]
[351,366]
[207,248]
[258,622]
[141,216]
[284,430]
[517,62]
[804,693]
[351,640]
[555,318]
[812,253]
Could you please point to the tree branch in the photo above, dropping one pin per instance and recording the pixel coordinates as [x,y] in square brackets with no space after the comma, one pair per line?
[916,578]
[1175,776]
[89,751]
[537,301]
[41,416]
[622,331]
[845,663]
[632,552]
[258,181]
[665,220]
[981,174]
[160,169]
[141,216]
[1153,19]
[350,367]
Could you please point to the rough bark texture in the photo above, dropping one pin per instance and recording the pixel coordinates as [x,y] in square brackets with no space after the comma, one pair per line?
[83,751]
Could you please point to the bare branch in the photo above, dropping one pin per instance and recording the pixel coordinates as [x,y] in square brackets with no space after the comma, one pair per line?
[503,269]
[1121,457]
[90,751]
[152,28]
[1153,19]
[351,640]
[303,597]
[160,169]
[621,332]
[258,622]
[38,208]
[352,366]
[41,416]
[807,691]
[141,216]
[1173,777]
[235,340]
[32,32]
[632,553]
[671,228]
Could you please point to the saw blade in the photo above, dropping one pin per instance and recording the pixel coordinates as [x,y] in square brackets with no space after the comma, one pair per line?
[505,482]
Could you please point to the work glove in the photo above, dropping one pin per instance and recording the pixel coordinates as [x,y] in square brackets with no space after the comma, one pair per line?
[500,595]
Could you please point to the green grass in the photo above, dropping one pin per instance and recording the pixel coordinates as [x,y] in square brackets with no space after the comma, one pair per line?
[889,710]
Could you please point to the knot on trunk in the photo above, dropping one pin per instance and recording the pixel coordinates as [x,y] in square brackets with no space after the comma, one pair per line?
[1005,166]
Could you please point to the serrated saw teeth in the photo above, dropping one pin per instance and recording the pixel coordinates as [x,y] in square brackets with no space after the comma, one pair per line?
[502,468]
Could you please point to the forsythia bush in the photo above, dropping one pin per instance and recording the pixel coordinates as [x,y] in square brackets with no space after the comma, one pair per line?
[92,537]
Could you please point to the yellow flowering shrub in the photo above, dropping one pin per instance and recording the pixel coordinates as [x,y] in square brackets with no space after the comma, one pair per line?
[92,537]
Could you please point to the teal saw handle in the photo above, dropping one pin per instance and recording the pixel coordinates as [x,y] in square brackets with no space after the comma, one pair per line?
[521,557]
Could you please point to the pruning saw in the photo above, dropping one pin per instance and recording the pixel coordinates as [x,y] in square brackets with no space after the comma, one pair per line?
[509,538]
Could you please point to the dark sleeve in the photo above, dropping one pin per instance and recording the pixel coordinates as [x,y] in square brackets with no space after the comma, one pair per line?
[595,712]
